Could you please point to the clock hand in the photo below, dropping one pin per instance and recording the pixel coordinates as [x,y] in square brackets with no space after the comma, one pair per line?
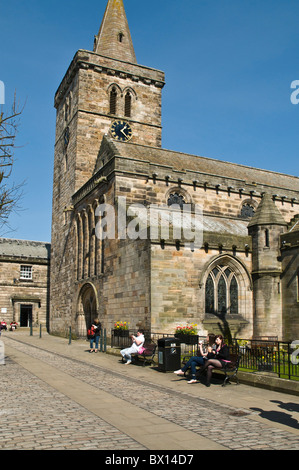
[123,129]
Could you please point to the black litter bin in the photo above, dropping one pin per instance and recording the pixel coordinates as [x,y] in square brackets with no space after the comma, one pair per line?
[169,354]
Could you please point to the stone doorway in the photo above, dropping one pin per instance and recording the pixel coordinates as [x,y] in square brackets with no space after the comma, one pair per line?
[25,315]
[87,309]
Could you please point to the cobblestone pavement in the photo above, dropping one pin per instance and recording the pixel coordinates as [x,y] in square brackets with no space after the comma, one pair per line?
[40,417]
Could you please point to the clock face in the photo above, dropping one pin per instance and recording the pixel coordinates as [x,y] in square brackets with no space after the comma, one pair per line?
[121,130]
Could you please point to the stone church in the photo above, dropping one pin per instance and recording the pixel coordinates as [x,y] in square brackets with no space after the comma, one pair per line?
[108,154]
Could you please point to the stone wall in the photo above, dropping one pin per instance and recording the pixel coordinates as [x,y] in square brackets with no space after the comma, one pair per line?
[290,284]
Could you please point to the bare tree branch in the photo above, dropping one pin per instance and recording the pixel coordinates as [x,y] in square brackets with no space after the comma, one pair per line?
[10,195]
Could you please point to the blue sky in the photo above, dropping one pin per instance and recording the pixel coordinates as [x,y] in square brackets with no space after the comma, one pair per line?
[229,65]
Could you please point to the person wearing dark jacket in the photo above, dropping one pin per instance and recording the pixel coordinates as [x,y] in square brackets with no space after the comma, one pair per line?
[96,326]
[221,358]
[205,353]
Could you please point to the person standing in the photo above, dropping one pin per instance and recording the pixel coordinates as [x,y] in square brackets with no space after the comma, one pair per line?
[96,328]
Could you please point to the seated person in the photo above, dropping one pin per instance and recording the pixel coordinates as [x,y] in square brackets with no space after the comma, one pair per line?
[221,358]
[13,326]
[195,361]
[137,342]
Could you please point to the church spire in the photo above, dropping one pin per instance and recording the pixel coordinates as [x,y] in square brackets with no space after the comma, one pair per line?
[267,213]
[114,37]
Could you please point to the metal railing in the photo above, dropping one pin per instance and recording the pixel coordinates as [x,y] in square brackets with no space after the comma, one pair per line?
[276,357]
[257,355]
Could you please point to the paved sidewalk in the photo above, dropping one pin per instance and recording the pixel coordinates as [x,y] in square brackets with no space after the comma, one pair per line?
[59,396]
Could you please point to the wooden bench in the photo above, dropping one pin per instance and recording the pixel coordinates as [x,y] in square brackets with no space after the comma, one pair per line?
[230,369]
[147,355]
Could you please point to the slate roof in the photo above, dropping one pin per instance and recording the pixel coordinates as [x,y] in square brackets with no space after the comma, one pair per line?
[209,166]
[223,225]
[24,249]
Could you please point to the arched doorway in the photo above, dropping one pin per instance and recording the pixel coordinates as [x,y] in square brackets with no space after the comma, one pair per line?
[87,308]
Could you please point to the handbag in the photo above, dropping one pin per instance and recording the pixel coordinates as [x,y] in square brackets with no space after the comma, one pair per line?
[90,333]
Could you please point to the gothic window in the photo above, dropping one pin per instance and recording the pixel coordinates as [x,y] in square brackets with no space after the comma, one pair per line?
[221,292]
[176,198]
[128,104]
[113,99]
[120,37]
[247,211]
[210,295]
[221,295]
[233,292]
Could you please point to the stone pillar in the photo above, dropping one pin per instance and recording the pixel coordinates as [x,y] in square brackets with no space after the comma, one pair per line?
[2,354]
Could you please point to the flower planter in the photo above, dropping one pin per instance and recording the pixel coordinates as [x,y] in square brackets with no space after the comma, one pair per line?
[122,333]
[187,339]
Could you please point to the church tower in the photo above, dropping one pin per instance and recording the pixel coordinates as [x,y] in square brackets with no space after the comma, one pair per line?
[104,92]
[102,87]
[265,228]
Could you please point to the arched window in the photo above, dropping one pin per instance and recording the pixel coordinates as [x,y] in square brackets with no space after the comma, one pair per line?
[176,198]
[128,104]
[221,292]
[113,100]
[247,211]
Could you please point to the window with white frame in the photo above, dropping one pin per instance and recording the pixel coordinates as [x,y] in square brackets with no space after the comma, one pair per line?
[26,272]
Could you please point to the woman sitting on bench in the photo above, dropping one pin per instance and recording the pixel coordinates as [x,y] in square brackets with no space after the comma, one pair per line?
[221,358]
[196,361]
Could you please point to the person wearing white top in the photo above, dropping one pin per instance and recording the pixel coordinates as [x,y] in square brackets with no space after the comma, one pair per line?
[137,342]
